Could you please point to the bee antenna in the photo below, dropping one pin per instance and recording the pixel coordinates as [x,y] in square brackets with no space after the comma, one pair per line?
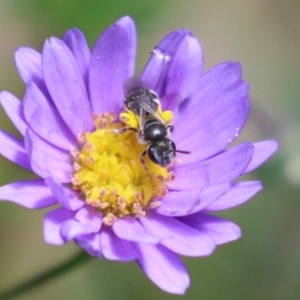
[184,152]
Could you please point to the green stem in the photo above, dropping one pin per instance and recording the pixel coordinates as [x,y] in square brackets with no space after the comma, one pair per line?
[32,283]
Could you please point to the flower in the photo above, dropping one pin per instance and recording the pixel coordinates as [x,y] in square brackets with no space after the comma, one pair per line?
[112,204]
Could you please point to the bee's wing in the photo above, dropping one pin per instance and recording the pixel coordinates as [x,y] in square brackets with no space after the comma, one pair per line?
[145,106]
[132,84]
[142,120]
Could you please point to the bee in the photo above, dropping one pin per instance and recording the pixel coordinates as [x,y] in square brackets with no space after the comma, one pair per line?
[152,129]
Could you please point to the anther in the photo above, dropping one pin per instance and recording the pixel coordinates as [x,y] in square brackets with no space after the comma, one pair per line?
[161,178]
[121,203]
[88,146]
[102,193]
[95,203]
[171,176]
[76,181]
[75,153]
[89,160]
[138,195]
[138,210]
[110,219]
[82,137]
[114,192]
[103,205]
[111,117]
[154,204]
[77,167]
[163,191]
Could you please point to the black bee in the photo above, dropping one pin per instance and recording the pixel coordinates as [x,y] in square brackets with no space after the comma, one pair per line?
[153,130]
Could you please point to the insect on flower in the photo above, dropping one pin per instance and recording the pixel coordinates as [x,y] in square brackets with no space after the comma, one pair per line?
[152,128]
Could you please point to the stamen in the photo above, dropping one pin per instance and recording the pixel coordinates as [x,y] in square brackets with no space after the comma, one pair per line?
[154,204]
[138,195]
[138,210]
[95,203]
[89,160]
[103,205]
[75,153]
[82,137]
[110,219]
[102,120]
[88,146]
[102,193]
[121,203]
[76,181]
[76,166]
[171,176]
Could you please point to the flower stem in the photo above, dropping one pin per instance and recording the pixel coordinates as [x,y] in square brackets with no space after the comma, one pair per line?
[32,283]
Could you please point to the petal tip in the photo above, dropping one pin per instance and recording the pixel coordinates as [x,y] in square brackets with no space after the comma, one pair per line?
[52,42]
[274,146]
[3,95]
[125,19]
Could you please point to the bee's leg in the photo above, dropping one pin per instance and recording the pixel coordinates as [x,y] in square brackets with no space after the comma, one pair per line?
[123,129]
[142,158]
[170,128]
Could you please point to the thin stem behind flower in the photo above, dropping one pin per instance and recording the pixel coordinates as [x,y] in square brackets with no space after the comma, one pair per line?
[75,261]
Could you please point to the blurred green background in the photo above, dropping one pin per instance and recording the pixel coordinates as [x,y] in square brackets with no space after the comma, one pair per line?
[264,35]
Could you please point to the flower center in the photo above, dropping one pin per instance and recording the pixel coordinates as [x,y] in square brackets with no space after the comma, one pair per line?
[109,173]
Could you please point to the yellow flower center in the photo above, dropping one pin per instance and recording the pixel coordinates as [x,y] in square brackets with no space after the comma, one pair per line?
[109,173]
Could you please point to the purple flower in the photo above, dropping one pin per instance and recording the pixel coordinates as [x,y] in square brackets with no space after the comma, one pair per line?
[111,204]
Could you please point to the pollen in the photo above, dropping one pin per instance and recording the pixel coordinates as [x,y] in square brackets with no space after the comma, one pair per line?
[109,173]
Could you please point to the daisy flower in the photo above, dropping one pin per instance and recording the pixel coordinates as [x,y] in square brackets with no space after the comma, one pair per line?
[107,200]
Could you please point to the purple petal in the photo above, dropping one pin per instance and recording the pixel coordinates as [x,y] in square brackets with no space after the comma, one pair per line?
[128,24]
[179,237]
[48,160]
[67,197]
[237,195]
[114,248]
[154,74]
[90,243]
[51,128]
[181,203]
[44,119]
[112,62]
[193,176]
[214,116]
[71,229]
[13,108]
[164,268]
[262,151]
[170,43]
[32,194]
[52,225]
[220,230]
[66,86]
[33,99]
[90,219]
[75,40]
[224,167]
[184,73]
[223,75]
[28,62]
[131,229]
[13,149]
